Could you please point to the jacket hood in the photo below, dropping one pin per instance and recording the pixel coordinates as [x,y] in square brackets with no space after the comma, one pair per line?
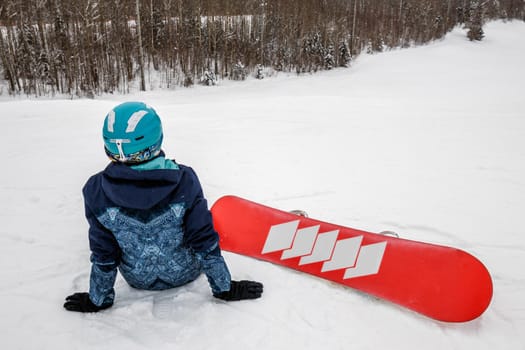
[136,189]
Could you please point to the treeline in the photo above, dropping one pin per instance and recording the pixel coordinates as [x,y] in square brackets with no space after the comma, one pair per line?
[90,47]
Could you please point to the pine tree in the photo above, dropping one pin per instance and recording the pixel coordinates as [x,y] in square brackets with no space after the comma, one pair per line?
[329,58]
[475,21]
[259,71]
[208,78]
[238,71]
[344,54]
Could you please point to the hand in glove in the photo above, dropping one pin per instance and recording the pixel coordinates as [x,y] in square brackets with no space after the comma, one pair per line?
[240,290]
[80,302]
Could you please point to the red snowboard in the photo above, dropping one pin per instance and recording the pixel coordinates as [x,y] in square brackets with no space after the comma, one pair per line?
[443,283]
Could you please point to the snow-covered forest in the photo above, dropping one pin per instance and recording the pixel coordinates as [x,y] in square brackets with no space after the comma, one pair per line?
[92,47]
[428,142]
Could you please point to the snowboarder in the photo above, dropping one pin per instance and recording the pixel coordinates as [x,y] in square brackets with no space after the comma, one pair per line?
[148,218]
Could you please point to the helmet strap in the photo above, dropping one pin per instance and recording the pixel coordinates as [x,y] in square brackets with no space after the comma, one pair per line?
[123,157]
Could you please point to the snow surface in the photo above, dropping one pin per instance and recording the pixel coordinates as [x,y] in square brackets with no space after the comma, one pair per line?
[428,142]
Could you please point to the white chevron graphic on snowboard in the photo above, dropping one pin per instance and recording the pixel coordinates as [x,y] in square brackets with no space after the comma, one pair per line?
[312,247]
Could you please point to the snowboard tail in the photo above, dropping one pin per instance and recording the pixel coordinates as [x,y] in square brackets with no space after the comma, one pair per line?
[444,283]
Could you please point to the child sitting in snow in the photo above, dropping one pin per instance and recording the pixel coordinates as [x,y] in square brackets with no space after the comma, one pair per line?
[148,217]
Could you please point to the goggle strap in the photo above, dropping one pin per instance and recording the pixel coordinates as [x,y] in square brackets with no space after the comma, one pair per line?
[120,150]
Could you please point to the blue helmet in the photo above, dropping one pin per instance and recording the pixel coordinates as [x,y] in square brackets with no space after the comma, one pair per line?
[132,133]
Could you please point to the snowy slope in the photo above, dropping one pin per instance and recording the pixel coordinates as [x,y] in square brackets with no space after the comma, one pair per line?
[428,142]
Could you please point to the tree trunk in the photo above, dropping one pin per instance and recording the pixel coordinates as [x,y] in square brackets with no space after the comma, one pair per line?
[141,50]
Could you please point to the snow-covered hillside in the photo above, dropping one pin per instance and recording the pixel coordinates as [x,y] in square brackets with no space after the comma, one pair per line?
[428,142]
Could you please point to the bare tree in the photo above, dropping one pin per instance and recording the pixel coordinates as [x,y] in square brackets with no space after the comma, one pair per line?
[89,47]
[141,50]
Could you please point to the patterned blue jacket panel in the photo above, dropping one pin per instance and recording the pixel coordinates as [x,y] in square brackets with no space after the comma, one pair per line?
[154,226]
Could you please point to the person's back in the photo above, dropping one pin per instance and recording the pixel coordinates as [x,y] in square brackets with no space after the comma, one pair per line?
[148,218]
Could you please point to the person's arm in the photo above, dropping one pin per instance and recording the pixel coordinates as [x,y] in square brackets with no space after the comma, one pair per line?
[202,238]
[105,254]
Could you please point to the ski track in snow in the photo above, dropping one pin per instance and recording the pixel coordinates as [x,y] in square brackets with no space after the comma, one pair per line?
[427,142]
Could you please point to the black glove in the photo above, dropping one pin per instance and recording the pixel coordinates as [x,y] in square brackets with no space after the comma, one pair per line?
[240,290]
[80,302]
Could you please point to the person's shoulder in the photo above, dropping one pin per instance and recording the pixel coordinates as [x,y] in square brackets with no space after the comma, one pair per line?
[186,169]
[189,176]
[94,181]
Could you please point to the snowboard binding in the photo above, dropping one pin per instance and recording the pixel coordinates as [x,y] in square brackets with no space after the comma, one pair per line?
[299,213]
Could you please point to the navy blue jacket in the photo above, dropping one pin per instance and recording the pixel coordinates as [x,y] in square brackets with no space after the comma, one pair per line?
[154,226]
